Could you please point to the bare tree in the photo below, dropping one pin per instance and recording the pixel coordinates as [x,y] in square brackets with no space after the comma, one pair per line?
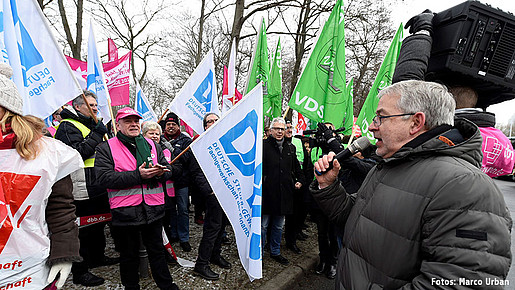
[131,27]
[75,44]
[368,33]
[43,4]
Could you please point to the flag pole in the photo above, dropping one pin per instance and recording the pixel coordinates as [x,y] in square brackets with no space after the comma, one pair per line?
[89,108]
[286,113]
[112,116]
[163,115]
[180,154]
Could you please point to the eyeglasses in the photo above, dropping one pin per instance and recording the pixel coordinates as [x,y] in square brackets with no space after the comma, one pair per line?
[378,120]
[278,128]
[211,121]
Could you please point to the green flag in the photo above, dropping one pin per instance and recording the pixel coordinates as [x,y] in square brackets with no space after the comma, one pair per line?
[260,66]
[320,93]
[383,79]
[349,113]
[273,104]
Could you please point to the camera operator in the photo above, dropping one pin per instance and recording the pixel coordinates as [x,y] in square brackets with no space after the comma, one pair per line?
[412,65]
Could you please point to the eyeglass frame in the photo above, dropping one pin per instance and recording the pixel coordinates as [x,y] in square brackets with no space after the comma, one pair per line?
[278,128]
[380,118]
[211,121]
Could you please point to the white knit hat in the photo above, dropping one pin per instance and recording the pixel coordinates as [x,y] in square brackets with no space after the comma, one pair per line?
[9,96]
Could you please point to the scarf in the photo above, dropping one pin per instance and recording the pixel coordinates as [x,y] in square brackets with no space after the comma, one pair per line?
[7,138]
[142,148]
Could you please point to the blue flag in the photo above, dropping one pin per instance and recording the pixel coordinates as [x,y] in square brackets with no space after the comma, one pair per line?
[96,81]
[231,155]
[40,71]
[142,106]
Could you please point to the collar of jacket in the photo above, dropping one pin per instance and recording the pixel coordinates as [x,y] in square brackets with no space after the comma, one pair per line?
[467,148]
[481,119]
[70,113]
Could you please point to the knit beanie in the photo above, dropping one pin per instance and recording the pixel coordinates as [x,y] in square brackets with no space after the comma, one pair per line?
[172,117]
[9,96]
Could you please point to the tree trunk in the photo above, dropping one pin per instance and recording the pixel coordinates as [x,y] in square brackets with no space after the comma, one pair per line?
[200,32]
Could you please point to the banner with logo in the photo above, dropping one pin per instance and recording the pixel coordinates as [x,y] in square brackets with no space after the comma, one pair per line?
[143,107]
[96,80]
[383,79]
[300,124]
[117,74]
[321,92]
[231,152]
[25,186]
[273,105]
[498,154]
[40,72]
[198,96]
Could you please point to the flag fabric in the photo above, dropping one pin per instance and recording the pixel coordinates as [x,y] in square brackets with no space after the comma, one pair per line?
[198,96]
[187,129]
[143,107]
[299,123]
[320,93]
[231,151]
[112,50]
[117,75]
[40,72]
[95,80]
[260,64]
[229,82]
[272,106]
[383,79]
[348,121]
[228,102]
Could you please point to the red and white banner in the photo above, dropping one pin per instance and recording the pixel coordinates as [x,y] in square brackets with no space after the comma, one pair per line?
[117,77]
[299,122]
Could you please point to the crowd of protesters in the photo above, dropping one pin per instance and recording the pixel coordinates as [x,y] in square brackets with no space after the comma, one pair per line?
[414,211]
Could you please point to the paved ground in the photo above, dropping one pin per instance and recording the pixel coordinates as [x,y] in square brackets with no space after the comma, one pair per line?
[234,278]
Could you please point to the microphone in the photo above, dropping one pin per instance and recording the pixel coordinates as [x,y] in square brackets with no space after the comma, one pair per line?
[359,145]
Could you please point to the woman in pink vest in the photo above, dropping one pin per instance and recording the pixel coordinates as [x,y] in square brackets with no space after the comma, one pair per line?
[133,169]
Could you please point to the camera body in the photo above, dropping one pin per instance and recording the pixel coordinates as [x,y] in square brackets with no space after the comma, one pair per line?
[474,45]
[325,138]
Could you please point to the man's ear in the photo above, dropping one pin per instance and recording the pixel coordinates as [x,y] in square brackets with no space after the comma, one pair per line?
[418,124]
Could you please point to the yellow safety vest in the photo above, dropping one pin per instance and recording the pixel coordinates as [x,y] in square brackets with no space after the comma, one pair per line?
[90,162]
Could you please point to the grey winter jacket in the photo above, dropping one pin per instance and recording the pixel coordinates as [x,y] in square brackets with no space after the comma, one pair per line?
[425,214]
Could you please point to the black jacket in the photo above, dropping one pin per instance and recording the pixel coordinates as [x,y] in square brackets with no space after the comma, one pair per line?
[280,172]
[180,144]
[132,215]
[72,136]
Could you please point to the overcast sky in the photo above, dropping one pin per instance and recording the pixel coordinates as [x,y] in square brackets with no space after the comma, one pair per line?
[405,9]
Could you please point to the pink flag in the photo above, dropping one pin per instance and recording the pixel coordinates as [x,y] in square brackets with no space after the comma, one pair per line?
[117,77]
[187,128]
[498,155]
[112,50]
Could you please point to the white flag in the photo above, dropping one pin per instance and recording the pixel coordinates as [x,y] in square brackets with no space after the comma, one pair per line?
[40,71]
[231,152]
[229,100]
[198,96]
[142,106]
[96,80]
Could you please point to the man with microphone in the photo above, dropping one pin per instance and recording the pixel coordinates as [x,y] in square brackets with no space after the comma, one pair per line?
[426,217]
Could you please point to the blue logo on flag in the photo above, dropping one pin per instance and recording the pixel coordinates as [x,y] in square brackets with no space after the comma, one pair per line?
[29,55]
[142,106]
[245,162]
[204,93]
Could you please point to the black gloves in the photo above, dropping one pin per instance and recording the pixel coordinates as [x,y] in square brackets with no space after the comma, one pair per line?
[100,128]
[325,131]
[423,21]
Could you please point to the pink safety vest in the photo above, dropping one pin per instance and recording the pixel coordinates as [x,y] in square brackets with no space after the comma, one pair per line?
[170,190]
[132,196]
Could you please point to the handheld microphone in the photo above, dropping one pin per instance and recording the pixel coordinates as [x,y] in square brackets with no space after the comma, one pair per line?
[359,145]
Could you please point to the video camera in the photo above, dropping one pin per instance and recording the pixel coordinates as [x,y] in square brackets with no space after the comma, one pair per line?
[325,138]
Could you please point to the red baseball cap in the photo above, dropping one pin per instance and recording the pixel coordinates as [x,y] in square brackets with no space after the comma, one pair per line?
[126,112]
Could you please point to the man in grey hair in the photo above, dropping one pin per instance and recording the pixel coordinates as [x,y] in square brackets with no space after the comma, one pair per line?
[426,217]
